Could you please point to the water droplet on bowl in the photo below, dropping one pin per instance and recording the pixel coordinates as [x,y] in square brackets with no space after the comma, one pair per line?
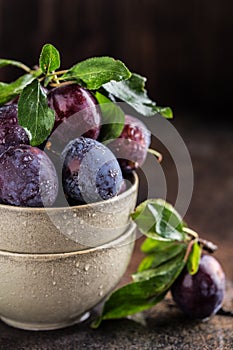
[86,268]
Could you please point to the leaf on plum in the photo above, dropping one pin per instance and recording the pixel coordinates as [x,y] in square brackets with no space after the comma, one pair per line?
[162,252]
[34,114]
[6,62]
[132,91]
[92,73]
[113,118]
[11,90]
[159,220]
[147,290]
[194,259]
[49,59]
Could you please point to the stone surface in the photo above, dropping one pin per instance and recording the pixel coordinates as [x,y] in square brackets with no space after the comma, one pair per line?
[167,329]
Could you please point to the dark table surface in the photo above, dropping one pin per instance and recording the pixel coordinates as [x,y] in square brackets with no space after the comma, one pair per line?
[210,212]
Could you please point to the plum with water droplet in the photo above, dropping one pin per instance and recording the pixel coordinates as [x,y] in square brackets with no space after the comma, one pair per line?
[132,145]
[90,171]
[27,177]
[11,133]
[76,112]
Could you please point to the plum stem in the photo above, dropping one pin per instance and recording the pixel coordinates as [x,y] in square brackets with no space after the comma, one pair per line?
[190,232]
[206,245]
[61,84]
[59,72]
[156,154]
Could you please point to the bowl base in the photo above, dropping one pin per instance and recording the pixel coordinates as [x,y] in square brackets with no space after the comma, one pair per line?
[45,326]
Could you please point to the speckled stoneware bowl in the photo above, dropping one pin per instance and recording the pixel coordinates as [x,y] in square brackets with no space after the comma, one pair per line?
[66,229]
[49,291]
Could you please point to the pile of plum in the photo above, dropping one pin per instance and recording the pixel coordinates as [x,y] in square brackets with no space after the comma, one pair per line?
[90,170]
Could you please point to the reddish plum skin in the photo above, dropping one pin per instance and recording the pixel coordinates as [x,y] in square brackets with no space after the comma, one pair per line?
[27,177]
[200,295]
[76,108]
[131,146]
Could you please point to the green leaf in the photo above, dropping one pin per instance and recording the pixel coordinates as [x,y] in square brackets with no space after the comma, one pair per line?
[34,114]
[49,59]
[139,296]
[132,91]
[9,91]
[159,220]
[163,252]
[96,71]
[128,305]
[6,62]
[164,272]
[194,259]
[113,118]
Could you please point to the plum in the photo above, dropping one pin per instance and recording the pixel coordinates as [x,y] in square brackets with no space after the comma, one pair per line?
[200,295]
[132,145]
[90,171]
[27,177]
[76,109]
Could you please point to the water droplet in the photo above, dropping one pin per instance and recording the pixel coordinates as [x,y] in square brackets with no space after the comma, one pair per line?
[77,264]
[86,268]
[101,293]
[46,295]
[54,283]
[101,286]
[93,215]
[81,222]
[87,283]
[75,215]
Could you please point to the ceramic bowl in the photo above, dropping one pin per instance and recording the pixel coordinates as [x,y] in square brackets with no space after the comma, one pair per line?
[50,291]
[66,229]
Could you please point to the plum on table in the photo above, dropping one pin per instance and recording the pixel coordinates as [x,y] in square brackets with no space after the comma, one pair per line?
[200,295]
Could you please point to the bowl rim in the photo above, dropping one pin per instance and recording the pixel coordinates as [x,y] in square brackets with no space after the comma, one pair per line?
[134,181]
[44,256]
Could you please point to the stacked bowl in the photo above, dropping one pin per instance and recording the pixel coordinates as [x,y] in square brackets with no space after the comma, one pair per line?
[58,263]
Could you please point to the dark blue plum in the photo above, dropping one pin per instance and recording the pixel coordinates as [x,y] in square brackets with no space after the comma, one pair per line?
[27,177]
[11,134]
[90,171]
[200,295]
[9,115]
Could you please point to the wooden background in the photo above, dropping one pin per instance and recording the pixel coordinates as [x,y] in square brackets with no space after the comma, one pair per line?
[184,48]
